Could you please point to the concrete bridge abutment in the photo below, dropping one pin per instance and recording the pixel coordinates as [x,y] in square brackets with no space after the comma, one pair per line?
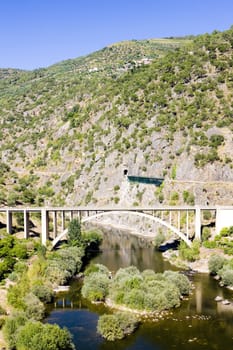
[224,218]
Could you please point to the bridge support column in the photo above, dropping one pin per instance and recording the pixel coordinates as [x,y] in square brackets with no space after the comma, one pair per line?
[62,220]
[187,223]
[197,223]
[170,217]
[44,226]
[178,220]
[9,222]
[54,224]
[26,223]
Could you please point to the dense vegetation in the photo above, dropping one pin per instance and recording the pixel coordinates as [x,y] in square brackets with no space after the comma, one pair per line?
[222,267]
[117,326]
[161,108]
[218,263]
[141,292]
[34,273]
[222,241]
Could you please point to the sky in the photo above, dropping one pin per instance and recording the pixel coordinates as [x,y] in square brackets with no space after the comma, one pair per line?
[39,33]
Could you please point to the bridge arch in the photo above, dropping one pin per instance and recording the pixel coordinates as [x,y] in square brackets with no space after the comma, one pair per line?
[136,213]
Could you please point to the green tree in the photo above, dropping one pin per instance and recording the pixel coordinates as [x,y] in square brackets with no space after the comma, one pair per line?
[215,263]
[38,336]
[118,326]
[74,235]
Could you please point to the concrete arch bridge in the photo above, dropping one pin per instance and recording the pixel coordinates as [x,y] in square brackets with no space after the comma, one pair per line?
[54,220]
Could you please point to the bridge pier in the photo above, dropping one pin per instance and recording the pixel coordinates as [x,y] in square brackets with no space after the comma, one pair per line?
[55,224]
[63,219]
[178,221]
[187,223]
[44,226]
[197,223]
[26,223]
[9,228]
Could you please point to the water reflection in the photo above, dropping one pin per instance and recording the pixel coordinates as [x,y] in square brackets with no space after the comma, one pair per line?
[122,249]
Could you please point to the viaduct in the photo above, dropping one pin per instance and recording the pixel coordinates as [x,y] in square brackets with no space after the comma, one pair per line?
[161,215]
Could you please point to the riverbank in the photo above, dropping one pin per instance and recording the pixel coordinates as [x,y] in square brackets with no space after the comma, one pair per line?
[152,315]
[200,265]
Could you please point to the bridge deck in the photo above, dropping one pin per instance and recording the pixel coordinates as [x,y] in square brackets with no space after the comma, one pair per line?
[82,208]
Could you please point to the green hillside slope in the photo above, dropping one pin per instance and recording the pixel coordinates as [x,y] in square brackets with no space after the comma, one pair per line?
[153,108]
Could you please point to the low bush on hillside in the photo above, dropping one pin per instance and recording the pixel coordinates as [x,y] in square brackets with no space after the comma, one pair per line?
[189,253]
[206,233]
[11,250]
[223,241]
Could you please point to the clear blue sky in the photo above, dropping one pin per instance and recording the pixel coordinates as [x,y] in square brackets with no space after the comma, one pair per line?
[38,33]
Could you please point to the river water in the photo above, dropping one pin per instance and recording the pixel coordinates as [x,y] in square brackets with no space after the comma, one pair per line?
[200,322]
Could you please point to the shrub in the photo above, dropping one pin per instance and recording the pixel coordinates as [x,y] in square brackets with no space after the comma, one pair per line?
[2,311]
[38,336]
[205,233]
[2,322]
[146,291]
[55,274]
[226,231]
[16,293]
[188,197]
[20,250]
[43,292]
[210,244]
[159,239]
[95,286]
[215,263]
[216,140]
[117,326]
[181,281]
[97,268]
[227,276]
[63,264]
[92,238]
[11,326]
[206,214]
[187,253]
[148,275]
[34,308]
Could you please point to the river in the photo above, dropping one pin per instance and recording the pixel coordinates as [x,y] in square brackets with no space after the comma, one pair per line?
[200,322]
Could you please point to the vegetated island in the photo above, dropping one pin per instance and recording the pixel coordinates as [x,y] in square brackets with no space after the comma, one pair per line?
[138,294]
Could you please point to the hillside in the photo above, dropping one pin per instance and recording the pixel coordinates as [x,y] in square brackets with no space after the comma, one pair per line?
[160,108]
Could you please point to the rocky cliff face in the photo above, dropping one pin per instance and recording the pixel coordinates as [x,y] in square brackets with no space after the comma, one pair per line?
[70,133]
